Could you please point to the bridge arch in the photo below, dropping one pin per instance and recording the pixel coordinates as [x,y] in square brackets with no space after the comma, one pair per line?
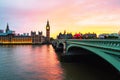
[74,49]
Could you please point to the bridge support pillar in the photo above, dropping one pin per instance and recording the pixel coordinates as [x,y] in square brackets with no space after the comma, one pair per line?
[64,48]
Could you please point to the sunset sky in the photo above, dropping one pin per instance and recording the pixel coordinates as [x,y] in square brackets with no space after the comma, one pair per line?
[99,16]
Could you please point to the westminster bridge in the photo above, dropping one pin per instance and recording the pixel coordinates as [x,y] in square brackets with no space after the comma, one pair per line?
[107,49]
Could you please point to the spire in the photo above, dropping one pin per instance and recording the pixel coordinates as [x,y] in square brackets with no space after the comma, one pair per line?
[47,23]
[64,31]
[119,32]
[7,28]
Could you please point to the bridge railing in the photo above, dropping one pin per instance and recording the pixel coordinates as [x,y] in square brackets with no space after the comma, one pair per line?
[103,43]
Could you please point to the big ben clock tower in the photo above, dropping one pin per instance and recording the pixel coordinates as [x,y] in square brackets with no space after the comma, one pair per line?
[48,31]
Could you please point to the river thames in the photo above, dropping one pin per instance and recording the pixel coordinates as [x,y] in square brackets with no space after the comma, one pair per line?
[41,62]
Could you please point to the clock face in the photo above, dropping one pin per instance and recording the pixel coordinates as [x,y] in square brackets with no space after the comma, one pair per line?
[47,27]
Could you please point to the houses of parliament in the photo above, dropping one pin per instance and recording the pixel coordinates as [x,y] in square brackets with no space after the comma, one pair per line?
[10,37]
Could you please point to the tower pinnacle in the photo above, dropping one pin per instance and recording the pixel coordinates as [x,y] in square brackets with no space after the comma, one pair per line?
[47,23]
[7,28]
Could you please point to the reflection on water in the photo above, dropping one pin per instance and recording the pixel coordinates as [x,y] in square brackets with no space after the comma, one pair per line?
[27,62]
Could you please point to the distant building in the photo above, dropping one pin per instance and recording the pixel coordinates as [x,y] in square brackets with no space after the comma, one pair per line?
[9,37]
[36,38]
[65,36]
[103,36]
[113,36]
[69,35]
[1,31]
[21,40]
[89,36]
[61,36]
[109,36]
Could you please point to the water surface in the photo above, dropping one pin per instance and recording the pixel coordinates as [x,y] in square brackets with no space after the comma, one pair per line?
[31,62]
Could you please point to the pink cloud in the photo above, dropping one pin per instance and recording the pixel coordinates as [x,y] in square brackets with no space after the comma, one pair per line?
[62,13]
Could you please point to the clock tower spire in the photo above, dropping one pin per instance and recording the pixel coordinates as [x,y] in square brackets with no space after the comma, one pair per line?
[48,31]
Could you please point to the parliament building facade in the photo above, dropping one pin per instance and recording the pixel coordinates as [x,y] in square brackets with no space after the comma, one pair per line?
[9,37]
